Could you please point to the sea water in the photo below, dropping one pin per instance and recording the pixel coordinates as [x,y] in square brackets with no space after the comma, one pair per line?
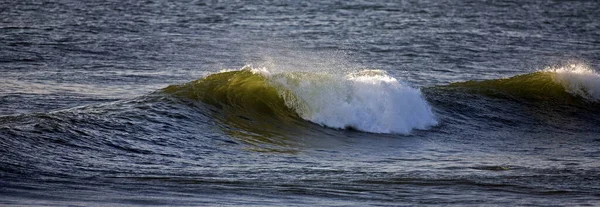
[299,103]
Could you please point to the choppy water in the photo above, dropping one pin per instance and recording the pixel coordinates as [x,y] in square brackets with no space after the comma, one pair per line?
[275,103]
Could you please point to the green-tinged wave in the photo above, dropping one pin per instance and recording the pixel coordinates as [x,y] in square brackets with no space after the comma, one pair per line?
[248,106]
[572,83]
[242,91]
[537,86]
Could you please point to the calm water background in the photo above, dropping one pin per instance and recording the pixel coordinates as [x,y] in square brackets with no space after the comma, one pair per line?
[81,123]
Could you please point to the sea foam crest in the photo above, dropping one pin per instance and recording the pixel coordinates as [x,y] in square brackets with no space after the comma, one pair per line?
[578,79]
[369,100]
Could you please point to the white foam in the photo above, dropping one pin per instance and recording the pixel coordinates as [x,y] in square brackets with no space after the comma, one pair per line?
[369,101]
[578,79]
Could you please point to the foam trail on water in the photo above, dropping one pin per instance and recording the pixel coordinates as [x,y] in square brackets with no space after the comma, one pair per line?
[369,100]
[578,79]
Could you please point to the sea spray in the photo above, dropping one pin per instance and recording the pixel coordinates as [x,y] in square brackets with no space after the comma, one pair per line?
[578,79]
[368,100]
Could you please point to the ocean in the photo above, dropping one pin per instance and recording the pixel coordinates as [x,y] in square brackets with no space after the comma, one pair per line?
[299,103]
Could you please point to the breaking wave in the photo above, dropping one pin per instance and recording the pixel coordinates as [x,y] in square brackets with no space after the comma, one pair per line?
[368,100]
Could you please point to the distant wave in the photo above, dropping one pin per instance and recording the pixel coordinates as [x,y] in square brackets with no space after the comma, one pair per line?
[368,100]
[567,83]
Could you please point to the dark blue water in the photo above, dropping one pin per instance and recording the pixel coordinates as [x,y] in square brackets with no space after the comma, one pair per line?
[84,119]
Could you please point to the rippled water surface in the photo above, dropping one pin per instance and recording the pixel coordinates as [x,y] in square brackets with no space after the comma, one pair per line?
[299,103]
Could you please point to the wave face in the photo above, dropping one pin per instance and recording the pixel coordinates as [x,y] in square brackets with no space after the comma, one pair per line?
[569,83]
[369,100]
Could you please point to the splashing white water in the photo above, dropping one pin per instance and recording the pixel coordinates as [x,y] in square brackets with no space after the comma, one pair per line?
[369,100]
[578,79]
